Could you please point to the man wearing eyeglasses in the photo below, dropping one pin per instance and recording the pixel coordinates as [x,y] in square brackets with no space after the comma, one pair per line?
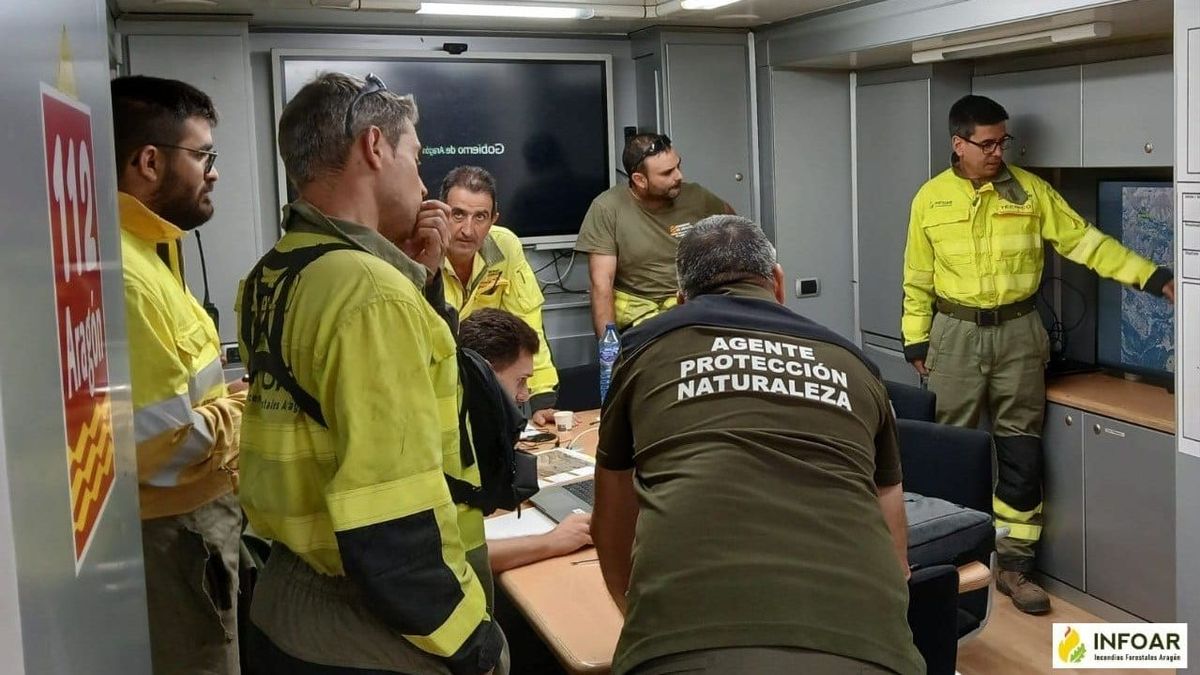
[351,426]
[185,419]
[631,231]
[485,266]
[974,252]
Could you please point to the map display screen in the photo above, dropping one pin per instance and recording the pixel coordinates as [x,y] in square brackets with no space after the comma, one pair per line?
[1136,330]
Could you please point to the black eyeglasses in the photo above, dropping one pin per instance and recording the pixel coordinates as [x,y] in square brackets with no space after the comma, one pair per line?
[371,85]
[210,157]
[989,146]
[661,143]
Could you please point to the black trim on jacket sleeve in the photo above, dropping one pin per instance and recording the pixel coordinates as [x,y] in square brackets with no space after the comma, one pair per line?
[543,400]
[916,351]
[398,565]
[1154,285]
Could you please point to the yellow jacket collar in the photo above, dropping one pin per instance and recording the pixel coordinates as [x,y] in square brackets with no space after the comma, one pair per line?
[141,222]
[489,254]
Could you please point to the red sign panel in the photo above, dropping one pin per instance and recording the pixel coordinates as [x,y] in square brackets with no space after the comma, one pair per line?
[79,308]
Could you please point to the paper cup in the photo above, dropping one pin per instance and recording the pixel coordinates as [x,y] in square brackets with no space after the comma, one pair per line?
[564,420]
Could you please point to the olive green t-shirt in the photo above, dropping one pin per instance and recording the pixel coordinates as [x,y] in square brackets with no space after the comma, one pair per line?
[644,241]
[757,457]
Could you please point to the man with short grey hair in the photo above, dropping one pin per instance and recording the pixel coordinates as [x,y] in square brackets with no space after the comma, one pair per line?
[768,495]
[351,425]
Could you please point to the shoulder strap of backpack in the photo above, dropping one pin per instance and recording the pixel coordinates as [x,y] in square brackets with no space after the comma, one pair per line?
[263,312]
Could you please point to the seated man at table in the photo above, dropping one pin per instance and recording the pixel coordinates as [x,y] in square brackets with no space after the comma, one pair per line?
[509,345]
[756,453]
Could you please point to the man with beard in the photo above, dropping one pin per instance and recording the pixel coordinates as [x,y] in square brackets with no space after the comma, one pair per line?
[630,233]
[975,253]
[185,419]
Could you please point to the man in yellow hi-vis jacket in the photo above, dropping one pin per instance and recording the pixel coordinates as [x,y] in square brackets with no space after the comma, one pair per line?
[485,266]
[185,420]
[974,254]
[351,426]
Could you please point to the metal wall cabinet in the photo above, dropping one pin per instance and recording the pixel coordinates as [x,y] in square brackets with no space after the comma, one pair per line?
[1127,113]
[1062,550]
[891,165]
[1129,512]
[696,87]
[1044,108]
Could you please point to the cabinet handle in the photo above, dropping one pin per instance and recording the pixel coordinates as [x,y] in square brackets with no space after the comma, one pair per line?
[1097,429]
[1070,420]
[1149,148]
[738,176]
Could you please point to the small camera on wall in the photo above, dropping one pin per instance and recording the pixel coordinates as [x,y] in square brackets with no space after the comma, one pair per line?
[454,47]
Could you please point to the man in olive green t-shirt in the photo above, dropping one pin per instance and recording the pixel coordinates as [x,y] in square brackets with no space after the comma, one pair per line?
[757,454]
[630,233]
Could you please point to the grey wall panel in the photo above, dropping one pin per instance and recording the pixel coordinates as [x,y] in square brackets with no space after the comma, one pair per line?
[891,167]
[766,152]
[91,620]
[708,90]
[810,121]
[892,365]
[218,65]
[649,99]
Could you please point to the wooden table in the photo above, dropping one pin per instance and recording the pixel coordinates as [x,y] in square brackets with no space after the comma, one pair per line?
[1112,396]
[564,598]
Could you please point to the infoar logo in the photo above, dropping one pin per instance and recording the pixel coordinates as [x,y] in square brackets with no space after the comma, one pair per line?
[1070,647]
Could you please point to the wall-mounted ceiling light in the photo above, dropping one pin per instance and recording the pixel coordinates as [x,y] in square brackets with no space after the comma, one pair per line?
[508,11]
[705,4]
[1015,43]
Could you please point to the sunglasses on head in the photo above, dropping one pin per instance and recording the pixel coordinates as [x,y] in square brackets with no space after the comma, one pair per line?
[371,85]
[660,143]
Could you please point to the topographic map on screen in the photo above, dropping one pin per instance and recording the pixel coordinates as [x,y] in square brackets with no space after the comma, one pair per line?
[1148,321]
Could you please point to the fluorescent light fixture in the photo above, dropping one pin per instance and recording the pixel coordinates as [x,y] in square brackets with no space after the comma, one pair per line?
[705,4]
[1015,43]
[508,11]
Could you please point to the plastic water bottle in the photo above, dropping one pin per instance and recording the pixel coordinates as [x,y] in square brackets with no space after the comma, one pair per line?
[610,344]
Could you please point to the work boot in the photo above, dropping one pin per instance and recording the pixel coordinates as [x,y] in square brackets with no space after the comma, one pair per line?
[1026,595]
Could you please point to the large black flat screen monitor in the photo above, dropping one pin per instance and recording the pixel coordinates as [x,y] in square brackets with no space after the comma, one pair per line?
[540,125]
[1135,331]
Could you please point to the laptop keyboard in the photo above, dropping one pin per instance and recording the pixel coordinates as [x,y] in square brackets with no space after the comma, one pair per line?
[584,490]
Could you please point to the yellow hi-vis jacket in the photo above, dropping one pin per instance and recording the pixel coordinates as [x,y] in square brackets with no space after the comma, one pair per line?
[502,279]
[983,247]
[361,338]
[185,423]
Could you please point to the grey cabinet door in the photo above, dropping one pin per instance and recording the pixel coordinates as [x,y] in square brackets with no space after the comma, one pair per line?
[1044,114]
[1061,554]
[649,94]
[1129,497]
[1128,113]
[893,162]
[708,117]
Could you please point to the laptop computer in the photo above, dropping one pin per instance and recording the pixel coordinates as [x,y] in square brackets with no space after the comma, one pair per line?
[560,501]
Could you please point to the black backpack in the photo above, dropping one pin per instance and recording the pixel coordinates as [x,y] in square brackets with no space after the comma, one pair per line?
[489,423]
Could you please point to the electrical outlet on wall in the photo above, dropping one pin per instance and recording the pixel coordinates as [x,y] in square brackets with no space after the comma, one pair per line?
[808,288]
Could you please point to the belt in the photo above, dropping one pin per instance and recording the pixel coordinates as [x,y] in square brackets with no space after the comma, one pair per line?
[987,317]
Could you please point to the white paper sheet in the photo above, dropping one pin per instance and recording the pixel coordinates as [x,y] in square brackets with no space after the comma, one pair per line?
[507,526]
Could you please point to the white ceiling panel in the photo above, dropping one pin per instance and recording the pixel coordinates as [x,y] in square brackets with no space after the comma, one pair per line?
[612,16]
